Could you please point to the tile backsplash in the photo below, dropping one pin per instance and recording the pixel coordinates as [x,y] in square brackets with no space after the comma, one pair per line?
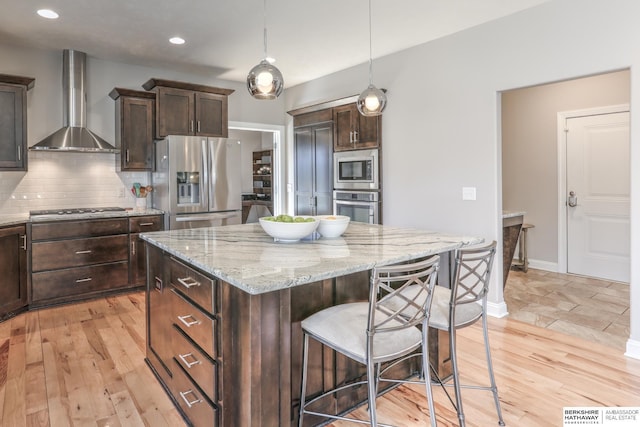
[68,180]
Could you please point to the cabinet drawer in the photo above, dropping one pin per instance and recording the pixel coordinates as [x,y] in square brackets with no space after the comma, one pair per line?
[195,406]
[195,363]
[79,252]
[140,224]
[193,284]
[75,281]
[195,323]
[73,229]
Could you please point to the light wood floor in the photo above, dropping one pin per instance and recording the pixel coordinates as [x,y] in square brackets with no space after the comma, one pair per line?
[82,365]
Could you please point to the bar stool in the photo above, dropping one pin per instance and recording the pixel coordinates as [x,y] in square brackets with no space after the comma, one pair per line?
[523,257]
[373,333]
[463,305]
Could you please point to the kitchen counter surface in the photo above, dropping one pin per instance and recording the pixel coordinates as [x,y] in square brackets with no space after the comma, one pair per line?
[97,215]
[246,257]
[13,219]
[511,214]
[7,220]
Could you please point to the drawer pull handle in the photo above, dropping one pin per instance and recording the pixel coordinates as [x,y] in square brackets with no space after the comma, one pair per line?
[145,224]
[188,324]
[86,279]
[188,282]
[88,251]
[183,395]
[183,357]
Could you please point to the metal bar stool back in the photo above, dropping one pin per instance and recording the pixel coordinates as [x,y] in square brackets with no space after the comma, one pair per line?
[463,305]
[375,332]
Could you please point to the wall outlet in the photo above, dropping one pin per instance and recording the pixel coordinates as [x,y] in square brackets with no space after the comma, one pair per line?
[468,193]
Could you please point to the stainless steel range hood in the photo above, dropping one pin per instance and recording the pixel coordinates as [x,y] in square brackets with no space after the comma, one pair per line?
[74,136]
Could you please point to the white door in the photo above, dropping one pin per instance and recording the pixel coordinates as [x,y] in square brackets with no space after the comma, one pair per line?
[598,187]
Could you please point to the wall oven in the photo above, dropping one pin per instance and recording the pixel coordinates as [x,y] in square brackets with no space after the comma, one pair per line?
[360,206]
[356,170]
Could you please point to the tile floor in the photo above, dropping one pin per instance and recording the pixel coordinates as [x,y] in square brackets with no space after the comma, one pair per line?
[593,309]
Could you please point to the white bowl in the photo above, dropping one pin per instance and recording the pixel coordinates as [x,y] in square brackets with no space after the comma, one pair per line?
[289,231]
[332,226]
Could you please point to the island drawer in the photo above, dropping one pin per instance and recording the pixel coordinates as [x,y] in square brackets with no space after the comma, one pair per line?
[76,281]
[79,252]
[195,363]
[190,399]
[194,285]
[194,323]
[84,228]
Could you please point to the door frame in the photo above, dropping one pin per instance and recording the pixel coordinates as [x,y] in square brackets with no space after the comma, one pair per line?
[278,167]
[562,170]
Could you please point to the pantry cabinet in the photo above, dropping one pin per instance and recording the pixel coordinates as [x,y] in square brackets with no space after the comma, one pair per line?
[135,128]
[189,109]
[13,122]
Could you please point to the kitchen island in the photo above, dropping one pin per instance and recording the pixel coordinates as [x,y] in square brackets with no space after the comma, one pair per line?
[224,308]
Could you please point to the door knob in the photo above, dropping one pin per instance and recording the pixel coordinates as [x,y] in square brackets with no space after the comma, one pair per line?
[572,200]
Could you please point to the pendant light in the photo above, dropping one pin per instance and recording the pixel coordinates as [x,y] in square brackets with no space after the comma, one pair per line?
[372,100]
[265,80]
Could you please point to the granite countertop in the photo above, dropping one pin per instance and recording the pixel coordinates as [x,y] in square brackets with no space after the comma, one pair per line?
[6,220]
[246,257]
[511,214]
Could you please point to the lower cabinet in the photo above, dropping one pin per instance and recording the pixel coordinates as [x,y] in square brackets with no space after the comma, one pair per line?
[77,259]
[183,336]
[13,270]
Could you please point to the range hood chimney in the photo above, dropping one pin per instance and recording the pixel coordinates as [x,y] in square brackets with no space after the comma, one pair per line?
[74,136]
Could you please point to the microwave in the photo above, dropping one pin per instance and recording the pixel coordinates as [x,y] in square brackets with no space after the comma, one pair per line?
[356,170]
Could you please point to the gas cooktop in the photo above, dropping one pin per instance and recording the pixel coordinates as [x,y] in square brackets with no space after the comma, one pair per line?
[75,211]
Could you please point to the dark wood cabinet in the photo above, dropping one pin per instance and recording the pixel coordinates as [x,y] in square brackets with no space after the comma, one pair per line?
[189,109]
[137,248]
[13,270]
[77,259]
[13,122]
[135,125]
[353,131]
[313,164]
[183,336]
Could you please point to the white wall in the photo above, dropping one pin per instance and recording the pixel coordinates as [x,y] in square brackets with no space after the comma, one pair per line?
[250,141]
[88,180]
[441,129]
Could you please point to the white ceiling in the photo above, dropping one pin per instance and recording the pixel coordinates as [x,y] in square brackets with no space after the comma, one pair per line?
[308,38]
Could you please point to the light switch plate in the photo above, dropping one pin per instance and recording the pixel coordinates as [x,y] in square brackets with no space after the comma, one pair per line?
[468,193]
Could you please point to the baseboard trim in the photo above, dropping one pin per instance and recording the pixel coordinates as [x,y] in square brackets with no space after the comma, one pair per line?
[543,265]
[633,349]
[497,309]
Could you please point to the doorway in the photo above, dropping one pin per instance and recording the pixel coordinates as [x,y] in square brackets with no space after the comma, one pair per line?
[593,167]
[271,136]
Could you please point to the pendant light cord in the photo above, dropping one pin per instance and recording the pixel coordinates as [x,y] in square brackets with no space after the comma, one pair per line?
[264,17]
[370,49]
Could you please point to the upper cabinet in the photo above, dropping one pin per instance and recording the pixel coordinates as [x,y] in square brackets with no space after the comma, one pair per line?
[135,123]
[353,131]
[13,122]
[189,109]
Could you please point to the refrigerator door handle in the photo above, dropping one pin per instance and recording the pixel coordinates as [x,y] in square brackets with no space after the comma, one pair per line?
[206,195]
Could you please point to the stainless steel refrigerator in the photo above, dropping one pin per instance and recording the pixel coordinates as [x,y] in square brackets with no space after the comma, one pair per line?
[197,182]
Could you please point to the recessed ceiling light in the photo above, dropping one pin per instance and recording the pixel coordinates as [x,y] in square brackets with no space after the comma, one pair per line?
[176,40]
[48,13]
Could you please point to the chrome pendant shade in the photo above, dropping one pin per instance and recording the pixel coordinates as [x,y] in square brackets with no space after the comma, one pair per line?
[265,81]
[372,100]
